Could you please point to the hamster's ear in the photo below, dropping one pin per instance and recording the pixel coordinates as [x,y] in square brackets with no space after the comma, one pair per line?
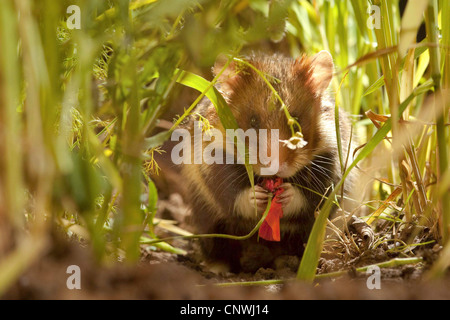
[229,77]
[322,70]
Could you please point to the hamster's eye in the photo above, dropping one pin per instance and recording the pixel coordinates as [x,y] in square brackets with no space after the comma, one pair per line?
[254,122]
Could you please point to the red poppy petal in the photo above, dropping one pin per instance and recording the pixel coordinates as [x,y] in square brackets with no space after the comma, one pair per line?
[270,228]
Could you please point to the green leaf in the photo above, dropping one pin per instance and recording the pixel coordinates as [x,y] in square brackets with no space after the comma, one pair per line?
[156,140]
[376,85]
[223,111]
[412,18]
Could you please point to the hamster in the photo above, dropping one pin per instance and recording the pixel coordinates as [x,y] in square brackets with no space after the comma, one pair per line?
[220,195]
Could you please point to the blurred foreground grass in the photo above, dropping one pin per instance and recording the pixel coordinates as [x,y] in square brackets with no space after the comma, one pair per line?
[79,110]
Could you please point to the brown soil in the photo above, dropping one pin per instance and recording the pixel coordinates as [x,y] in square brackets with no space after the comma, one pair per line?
[165,276]
[161,275]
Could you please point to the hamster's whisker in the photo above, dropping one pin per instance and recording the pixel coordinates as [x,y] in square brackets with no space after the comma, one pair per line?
[322,169]
[315,180]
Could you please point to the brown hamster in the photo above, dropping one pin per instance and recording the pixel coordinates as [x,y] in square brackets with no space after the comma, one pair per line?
[221,197]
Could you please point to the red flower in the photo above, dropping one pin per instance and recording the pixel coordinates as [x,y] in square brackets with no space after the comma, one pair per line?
[270,228]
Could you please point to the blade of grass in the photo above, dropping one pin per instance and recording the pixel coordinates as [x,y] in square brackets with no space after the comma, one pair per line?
[12,266]
[12,182]
[223,111]
[431,22]
[396,262]
[411,20]
[219,235]
[384,205]
[310,260]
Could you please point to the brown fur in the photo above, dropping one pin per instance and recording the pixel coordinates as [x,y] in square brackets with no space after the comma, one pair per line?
[214,188]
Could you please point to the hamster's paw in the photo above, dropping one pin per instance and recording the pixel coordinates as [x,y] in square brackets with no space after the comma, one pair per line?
[287,195]
[260,197]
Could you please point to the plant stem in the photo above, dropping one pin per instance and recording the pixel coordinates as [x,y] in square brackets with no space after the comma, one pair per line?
[218,235]
[396,262]
[431,22]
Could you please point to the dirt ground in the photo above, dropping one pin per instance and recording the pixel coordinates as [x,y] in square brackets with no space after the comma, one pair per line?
[161,275]
[166,276]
